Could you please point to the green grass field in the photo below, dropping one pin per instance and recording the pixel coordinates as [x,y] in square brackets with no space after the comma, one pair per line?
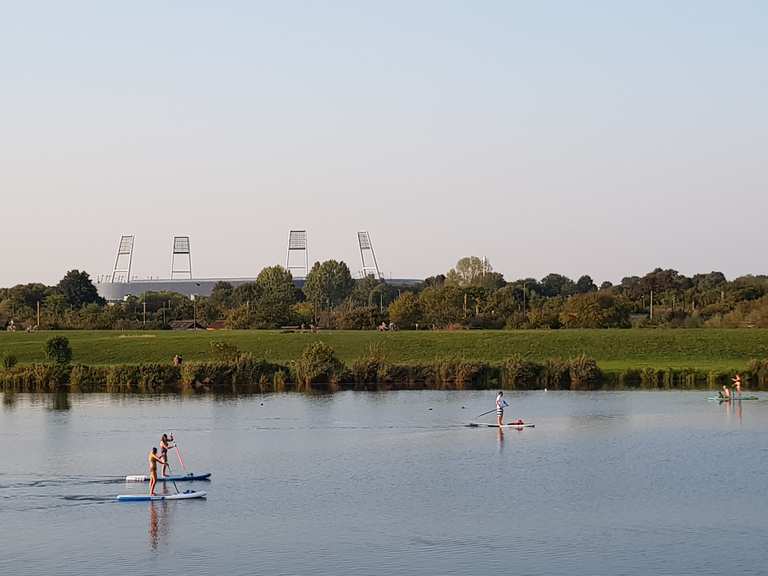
[703,349]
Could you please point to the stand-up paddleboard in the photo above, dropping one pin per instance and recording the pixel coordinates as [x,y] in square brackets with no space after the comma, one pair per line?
[178,478]
[147,498]
[508,425]
[719,399]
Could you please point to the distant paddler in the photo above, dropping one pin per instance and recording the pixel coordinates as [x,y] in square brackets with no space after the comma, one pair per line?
[725,393]
[500,405]
[153,459]
[736,386]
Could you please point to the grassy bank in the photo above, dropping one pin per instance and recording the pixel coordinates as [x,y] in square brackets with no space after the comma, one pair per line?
[320,370]
[614,350]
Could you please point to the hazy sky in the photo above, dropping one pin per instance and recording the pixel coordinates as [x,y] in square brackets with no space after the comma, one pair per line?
[579,137]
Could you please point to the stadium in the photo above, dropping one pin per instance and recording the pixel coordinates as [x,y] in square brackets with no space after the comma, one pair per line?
[120,284]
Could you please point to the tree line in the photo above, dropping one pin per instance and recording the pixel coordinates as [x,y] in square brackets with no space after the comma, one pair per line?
[469,296]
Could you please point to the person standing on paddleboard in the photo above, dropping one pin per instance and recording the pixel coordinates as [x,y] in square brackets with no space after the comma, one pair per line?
[165,445]
[500,404]
[736,386]
[153,459]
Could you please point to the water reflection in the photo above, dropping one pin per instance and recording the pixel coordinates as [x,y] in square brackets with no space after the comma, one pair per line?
[159,524]
[9,400]
[59,402]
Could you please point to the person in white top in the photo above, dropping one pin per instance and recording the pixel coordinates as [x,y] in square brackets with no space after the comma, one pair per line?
[500,404]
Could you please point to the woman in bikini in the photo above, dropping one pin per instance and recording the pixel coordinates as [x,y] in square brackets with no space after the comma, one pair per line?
[165,445]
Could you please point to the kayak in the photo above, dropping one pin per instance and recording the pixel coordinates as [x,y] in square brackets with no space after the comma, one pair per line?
[147,498]
[510,425]
[178,478]
[719,399]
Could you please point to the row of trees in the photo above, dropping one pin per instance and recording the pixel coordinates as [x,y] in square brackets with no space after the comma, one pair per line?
[470,295]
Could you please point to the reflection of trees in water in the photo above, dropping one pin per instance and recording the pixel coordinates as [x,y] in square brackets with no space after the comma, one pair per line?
[59,402]
[159,524]
[9,400]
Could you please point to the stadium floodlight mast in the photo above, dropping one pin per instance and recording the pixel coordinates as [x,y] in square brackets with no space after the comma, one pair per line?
[181,258]
[122,269]
[368,256]
[297,247]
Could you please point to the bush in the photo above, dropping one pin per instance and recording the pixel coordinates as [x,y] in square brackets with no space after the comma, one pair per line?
[36,378]
[519,373]
[224,351]
[318,364]
[367,318]
[759,372]
[9,361]
[584,373]
[460,372]
[88,378]
[144,378]
[58,350]
[370,368]
[555,374]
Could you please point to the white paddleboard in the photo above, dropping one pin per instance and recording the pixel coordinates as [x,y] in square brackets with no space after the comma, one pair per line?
[178,478]
[147,498]
[511,425]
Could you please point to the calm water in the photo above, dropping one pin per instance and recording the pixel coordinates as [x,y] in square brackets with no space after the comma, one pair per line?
[389,483]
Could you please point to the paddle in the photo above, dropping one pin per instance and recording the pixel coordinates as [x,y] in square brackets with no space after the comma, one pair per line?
[178,453]
[171,471]
[489,411]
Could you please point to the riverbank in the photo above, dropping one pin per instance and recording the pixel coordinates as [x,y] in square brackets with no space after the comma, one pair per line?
[325,373]
[613,350]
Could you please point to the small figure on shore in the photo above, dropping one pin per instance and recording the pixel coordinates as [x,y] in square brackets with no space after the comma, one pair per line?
[153,459]
[725,393]
[500,405]
[177,360]
[736,386]
[165,445]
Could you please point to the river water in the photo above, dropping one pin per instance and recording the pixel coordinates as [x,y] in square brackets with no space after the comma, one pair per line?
[388,483]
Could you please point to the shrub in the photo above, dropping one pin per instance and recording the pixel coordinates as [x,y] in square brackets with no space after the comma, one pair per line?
[759,372]
[58,350]
[206,377]
[460,372]
[318,364]
[367,318]
[519,373]
[584,373]
[224,351]
[144,378]
[37,378]
[9,361]
[88,378]
[555,374]
[371,367]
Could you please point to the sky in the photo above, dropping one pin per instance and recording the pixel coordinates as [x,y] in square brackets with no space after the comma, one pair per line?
[594,137]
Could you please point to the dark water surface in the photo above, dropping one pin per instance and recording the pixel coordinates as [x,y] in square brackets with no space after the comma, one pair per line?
[389,483]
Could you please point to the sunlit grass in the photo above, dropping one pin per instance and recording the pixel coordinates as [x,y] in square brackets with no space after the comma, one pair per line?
[614,350]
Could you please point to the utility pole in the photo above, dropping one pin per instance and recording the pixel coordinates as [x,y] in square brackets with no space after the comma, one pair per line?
[651,305]
[144,314]
[523,299]
[38,314]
